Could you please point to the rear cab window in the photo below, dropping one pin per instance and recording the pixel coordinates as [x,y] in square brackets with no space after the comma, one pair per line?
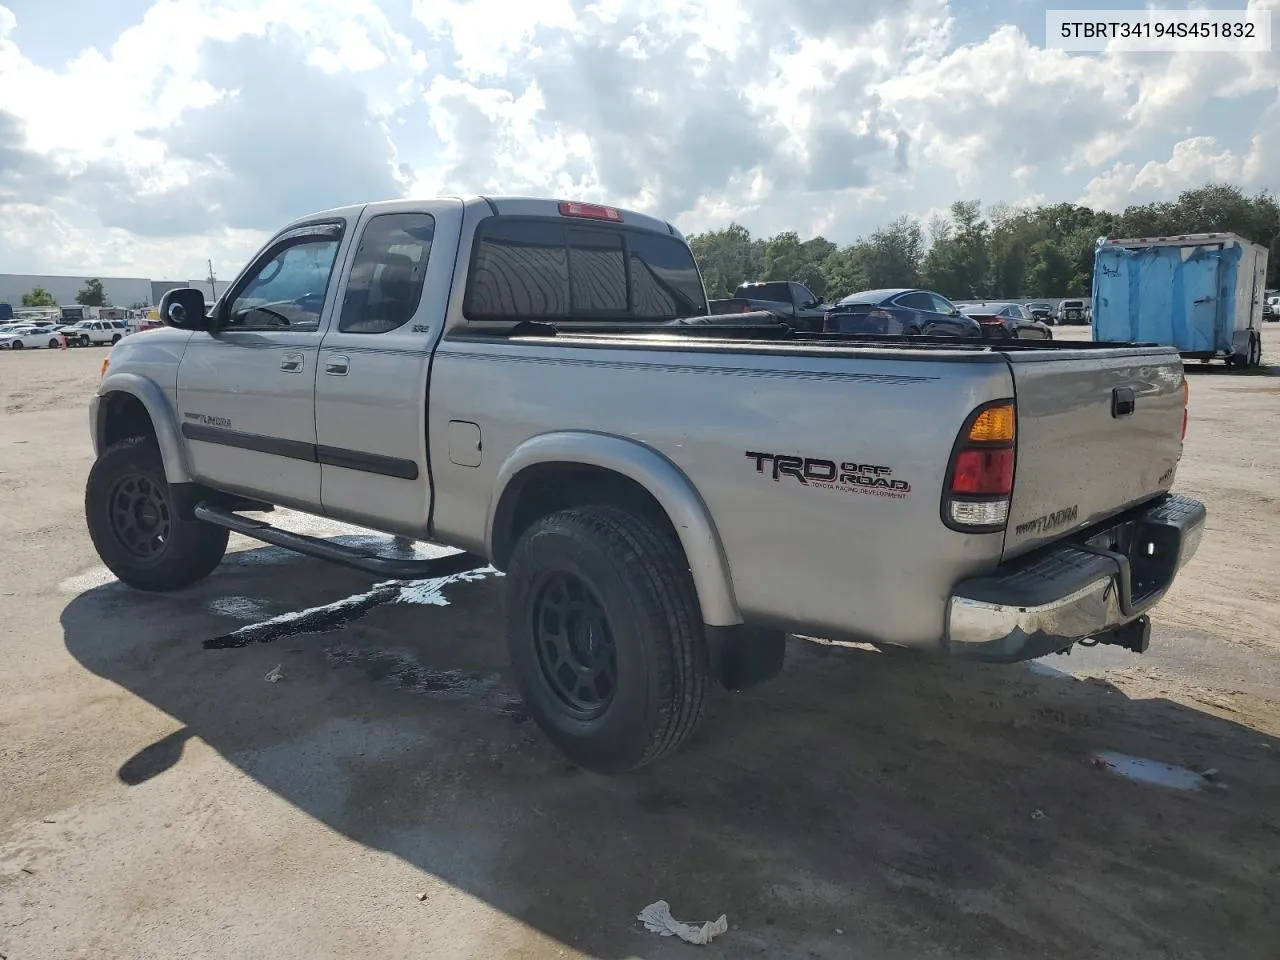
[537,268]
[385,282]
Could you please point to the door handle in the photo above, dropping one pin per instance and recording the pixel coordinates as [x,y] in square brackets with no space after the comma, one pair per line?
[337,366]
[291,362]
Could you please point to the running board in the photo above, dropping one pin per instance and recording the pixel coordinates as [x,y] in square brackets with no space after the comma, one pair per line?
[389,567]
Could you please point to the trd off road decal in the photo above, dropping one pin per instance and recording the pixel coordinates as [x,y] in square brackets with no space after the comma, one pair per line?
[869,478]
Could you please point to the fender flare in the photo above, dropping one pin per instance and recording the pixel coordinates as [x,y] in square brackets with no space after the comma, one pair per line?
[656,474]
[152,397]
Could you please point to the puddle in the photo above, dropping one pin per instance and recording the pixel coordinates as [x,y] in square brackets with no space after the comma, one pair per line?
[330,616]
[1152,772]
[402,670]
[242,608]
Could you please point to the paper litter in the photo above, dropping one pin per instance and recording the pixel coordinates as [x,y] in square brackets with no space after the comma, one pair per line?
[657,918]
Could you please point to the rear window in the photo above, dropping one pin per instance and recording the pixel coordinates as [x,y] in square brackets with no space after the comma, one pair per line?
[552,270]
[774,292]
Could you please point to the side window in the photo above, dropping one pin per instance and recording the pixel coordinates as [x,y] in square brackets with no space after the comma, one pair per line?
[941,304]
[288,291]
[801,295]
[387,273]
[916,301]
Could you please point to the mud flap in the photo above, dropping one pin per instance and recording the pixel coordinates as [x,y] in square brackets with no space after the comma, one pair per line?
[743,657]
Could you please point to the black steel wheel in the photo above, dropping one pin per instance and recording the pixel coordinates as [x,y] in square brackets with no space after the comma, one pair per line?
[134,526]
[575,644]
[140,516]
[606,636]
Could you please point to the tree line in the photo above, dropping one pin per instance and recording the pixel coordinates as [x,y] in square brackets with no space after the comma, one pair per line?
[90,295]
[972,254]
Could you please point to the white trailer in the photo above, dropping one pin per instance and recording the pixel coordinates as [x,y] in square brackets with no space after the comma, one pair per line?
[1202,293]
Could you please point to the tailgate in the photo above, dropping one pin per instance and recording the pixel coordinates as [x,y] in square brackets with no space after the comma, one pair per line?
[1080,456]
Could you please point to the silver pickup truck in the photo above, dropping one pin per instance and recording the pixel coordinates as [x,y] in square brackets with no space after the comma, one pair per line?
[538,385]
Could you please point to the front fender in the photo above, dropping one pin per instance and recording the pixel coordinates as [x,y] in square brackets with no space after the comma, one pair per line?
[152,397]
[663,479]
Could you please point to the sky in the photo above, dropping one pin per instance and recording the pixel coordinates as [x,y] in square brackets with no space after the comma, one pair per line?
[142,138]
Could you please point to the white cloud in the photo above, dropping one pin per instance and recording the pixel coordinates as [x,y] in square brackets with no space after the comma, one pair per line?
[1193,161]
[146,155]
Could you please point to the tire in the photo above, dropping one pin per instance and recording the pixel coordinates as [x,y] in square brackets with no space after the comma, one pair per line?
[648,626]
[1255,352]
[166,553]
[54,344]
[115,339]
[17,345]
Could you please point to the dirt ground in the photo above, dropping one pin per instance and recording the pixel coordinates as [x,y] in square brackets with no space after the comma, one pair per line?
[387,796]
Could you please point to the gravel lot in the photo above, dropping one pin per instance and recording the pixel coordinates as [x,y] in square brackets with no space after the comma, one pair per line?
[387,797]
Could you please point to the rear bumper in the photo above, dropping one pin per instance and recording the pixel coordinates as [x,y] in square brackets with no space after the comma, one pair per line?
[1078,589]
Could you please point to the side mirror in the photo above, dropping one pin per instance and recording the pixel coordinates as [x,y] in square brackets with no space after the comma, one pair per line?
[184,309]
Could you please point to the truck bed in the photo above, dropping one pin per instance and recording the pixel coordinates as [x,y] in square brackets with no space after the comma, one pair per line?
[899,402]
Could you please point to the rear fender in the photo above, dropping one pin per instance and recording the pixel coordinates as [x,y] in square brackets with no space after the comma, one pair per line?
[663,480]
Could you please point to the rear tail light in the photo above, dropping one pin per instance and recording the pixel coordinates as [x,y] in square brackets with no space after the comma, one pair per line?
[1186,400]
[881,314]
[589,211]
[979,484]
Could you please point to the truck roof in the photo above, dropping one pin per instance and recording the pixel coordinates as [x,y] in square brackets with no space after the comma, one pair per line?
[498,205]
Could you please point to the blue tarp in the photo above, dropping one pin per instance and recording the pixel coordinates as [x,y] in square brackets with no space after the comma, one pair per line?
[1180,296]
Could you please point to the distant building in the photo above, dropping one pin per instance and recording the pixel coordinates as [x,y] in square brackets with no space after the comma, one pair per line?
[120,291]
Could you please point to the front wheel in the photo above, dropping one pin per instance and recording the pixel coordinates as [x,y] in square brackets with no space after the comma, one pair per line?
[17,345]
[54,344]
[606,637]
[133,524]
[115,339]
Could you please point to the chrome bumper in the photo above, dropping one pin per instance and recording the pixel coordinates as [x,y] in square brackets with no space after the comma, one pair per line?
[1076,590]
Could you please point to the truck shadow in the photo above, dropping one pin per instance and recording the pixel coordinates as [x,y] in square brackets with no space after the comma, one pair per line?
[861,804]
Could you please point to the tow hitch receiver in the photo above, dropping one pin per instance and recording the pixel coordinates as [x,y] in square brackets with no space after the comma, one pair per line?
[1134,636]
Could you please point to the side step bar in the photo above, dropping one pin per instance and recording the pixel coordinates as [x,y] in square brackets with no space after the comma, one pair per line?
[389,567]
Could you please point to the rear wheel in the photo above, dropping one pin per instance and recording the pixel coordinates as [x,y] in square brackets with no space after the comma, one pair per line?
[606,637]
[133,524]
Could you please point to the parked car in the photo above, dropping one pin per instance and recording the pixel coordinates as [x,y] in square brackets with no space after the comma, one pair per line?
[792,302]
[23,337]
[667,509]
[1042,310]
[1072,311]
[1270,309]
[899,312]
[1008,320]
[97,332]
